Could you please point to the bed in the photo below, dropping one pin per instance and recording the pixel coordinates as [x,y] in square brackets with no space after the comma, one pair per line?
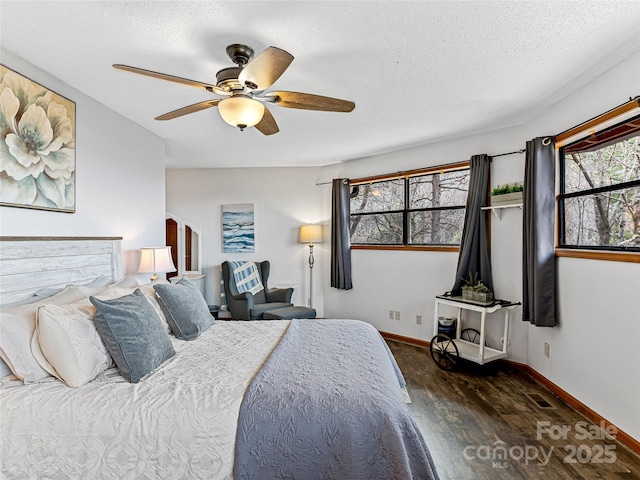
[262,399]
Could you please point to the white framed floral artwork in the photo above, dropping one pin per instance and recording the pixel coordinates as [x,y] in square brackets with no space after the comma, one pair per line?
[37,145]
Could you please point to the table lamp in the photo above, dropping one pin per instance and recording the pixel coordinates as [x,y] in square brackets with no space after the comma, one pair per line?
[156,260]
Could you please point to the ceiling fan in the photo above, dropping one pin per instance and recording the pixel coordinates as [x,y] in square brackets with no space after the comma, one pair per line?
[243,87]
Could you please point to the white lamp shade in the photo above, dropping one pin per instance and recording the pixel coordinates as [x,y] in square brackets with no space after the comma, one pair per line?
[156,260]
[311,234]
[241,111]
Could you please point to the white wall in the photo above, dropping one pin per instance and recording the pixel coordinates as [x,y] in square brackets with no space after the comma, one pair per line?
[283,199]
[119,178]
[408,281]
[593,352]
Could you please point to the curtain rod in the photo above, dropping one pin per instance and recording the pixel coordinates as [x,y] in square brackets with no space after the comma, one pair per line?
[323,183]
[404,173]
[522,150]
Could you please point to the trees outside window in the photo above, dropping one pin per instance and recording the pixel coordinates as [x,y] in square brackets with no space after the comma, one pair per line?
[599,202]
[425,209]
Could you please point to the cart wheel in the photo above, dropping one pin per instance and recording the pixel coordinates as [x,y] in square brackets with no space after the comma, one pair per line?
[444,352]
[470,335]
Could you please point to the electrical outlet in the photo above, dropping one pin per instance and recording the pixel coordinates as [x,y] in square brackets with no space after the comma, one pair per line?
[546,350]
[397,315]
[418,319]
[391,315]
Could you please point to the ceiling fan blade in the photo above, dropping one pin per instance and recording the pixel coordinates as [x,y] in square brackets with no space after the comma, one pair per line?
[261,72]
[307,101]
[267,125]
[163,76]
[196,107]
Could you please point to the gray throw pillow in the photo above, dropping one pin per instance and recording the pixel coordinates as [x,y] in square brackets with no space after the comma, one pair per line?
[186,310]
[133,334]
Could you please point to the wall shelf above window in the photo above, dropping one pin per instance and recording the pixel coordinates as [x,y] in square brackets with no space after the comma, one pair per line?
[497,210]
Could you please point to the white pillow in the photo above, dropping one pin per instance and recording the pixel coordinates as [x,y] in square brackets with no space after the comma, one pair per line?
[69,341]
[89,291]
[114,292]
[86,293]
[150,294]
[69,345]
[17,326]
[24,301]
[127,282]
[4,368]
[101,281]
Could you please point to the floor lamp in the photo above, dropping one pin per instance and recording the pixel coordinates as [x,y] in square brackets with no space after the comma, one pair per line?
[311,234]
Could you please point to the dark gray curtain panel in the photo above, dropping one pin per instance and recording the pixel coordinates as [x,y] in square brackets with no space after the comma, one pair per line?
[538,234]
[340,235]
[475,254]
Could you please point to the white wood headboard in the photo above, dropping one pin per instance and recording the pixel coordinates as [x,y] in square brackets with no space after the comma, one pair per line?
[28,264]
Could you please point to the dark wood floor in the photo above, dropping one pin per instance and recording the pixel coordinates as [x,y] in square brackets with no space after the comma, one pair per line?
[479,423]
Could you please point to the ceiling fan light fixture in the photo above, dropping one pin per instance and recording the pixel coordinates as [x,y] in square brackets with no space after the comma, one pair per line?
[244,88]
[241,111]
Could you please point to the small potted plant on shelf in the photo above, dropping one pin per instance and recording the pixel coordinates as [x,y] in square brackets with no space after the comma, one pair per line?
[474,290]
[509,194]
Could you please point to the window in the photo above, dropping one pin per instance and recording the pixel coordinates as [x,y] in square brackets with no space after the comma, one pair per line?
[419,208]
[599,202]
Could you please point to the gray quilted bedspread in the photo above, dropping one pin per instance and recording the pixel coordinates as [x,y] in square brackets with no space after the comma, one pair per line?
[327,404]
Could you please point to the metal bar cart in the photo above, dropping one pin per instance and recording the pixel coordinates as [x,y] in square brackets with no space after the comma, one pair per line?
[469,343]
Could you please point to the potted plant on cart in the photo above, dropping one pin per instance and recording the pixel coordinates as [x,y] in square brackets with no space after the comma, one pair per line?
[481,293]
[476,291]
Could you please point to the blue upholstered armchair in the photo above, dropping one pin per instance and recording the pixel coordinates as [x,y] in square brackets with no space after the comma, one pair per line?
[248,306]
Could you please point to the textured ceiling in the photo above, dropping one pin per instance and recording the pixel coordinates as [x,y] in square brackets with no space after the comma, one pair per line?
[417,71]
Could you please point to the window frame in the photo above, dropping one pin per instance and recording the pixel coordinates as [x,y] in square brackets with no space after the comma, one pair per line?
[406,211]
[625,113]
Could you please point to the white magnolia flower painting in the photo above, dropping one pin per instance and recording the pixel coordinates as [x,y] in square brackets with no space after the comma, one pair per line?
[37,145]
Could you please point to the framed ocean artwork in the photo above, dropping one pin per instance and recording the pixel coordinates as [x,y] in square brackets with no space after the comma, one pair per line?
[37,145]
[238,233]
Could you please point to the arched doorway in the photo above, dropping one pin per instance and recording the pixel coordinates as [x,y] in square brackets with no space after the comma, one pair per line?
[172,240]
